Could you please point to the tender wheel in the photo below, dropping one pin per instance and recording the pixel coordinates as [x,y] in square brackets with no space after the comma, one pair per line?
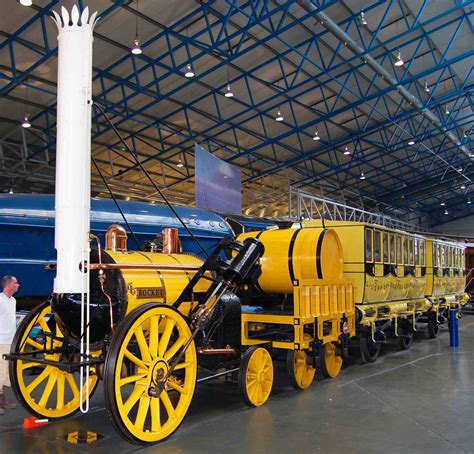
[405,339]
[331,362]
[256,376]
[141,352]
[299,369]
[44,390]
[433,326]
[369,350]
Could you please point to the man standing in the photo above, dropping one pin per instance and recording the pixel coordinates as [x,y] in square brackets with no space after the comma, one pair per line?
[7,331]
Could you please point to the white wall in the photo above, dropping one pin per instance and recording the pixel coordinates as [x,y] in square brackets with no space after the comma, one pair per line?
[462,227]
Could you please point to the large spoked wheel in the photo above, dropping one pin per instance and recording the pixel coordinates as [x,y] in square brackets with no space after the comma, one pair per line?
[331,361]
[369,350]
[256,376]
[300,371]
[45,390]
[142,350]
[433,326]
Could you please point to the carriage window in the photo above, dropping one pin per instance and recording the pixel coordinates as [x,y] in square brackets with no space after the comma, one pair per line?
[399,250]
[368,245]
[377,246]
[385,248]
[435,255]
[392,248]
[450,256]
[405,250]
[417,252]
[410,250]
[422,252]
[443,256]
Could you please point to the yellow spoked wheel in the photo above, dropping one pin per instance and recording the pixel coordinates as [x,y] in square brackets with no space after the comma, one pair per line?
[299,369]
[256,376]
[143,348]
[331,362]
[45,390]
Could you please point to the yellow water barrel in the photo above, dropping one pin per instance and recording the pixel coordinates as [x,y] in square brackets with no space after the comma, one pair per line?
[293,254]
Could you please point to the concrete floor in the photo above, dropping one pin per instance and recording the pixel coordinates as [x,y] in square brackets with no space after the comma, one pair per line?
[420,400]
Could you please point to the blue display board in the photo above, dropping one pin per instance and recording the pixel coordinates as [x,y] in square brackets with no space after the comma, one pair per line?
[217,183]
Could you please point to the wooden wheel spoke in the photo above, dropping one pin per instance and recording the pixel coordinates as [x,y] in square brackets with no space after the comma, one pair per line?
[132,378]
[32,343]
[39,379]
[155,414]
[153,341]
[165,337]
[168,405]
[176,387]
[174,349]
[142,344]
[183,365]
[138,362]
[44,325]
[134,397]
[73,385]
[53,376]
[142,411]
[60,388]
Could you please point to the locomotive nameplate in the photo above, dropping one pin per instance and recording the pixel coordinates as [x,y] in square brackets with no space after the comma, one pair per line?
[149,292]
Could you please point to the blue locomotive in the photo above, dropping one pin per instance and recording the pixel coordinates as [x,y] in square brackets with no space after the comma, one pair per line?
[27,233]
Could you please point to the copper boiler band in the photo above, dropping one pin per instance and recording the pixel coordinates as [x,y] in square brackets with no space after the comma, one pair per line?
[217,351]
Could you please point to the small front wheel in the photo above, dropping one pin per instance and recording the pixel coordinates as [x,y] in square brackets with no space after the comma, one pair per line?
[256,376]
[331,361]
[299,368]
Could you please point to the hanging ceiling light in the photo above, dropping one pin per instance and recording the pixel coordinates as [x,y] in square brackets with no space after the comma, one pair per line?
[426,88]
[136,49]
[446,211]
[362,176]
[347,152]
[25,123]
[398,59]
[26,2]
[189,71]
[316,135]
[446,109]
[463,186]
[411,142]
[180,163]
[442,204]
[362,19]
[468,201]
[10,191]
[279,116]
[228,93]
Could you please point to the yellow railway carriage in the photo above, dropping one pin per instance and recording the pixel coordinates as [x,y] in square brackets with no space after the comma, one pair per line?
[445,279]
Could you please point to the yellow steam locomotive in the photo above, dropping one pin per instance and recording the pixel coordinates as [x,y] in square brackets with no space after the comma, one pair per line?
[159,322]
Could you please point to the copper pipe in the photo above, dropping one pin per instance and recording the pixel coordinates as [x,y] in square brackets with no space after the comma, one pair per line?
[129,266]
[140,266]
[171,241]
[217,351]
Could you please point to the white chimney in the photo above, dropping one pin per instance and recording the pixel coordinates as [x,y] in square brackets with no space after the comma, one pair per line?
[73,147]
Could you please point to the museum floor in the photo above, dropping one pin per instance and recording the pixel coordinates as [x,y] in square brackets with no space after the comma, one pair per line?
[420,400]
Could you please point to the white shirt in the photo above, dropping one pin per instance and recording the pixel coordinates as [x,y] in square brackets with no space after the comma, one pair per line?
[7,318]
